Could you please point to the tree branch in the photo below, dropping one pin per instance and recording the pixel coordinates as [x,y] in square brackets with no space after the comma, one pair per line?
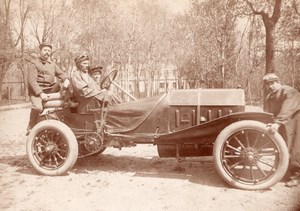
[295,7]
[264,15]
[23,17]
[276,12]
[254,11]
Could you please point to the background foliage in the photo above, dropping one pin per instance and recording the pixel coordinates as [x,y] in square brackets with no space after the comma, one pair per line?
[211,44]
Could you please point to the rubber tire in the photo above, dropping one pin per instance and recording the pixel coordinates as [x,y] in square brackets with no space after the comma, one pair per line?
[256,125]
[67,134]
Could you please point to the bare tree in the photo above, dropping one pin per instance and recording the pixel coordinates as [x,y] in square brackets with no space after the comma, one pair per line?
[296,7]
[44,20]
[270,22]
[6,48]
[213,43]
[24,10]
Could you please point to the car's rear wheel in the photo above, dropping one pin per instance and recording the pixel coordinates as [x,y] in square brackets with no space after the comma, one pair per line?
[52,148]
[248,157]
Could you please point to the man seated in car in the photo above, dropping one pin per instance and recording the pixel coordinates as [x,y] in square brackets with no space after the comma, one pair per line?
[97,74]
[85,89]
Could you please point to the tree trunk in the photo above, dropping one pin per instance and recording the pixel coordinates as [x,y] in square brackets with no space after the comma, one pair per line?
[269,23]
[137,81]
[270,49]
[24,69]
[0,90]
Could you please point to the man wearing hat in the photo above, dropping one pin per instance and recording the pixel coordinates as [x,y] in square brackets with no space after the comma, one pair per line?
[85,87]
[95,73]
[42,76]
[284,103]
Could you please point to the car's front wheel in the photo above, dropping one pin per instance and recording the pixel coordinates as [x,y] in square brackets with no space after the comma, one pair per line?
[248,157]
[52,148]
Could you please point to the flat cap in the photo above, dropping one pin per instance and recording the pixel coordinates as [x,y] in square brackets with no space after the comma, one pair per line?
[44,45]
[81,58]
[96,69]
[269,77]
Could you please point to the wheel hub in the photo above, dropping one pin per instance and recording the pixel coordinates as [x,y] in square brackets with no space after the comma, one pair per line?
[250,155]
[51,147]
[250,158]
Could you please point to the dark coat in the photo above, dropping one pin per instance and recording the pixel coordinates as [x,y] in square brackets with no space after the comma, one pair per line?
[292,130]
[42,76]
[85,90]
[283,104]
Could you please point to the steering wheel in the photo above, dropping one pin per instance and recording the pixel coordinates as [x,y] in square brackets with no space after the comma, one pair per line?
[108,79]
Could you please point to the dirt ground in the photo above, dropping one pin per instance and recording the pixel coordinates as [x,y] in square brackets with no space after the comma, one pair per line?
[127,179]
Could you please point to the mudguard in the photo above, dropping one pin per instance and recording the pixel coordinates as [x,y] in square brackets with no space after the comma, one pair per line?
[211,128]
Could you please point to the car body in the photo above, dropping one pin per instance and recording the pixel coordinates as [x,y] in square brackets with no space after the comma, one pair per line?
[181,123]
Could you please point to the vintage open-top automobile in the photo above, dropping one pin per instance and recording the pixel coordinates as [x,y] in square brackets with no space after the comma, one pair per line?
[181,123]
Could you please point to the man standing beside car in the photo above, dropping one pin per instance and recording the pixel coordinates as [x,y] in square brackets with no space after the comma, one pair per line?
[284,103]
[42,81]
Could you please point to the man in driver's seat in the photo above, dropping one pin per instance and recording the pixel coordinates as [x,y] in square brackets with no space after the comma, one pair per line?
[86,91]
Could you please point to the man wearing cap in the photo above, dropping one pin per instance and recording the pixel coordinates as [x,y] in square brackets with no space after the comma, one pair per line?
[42,81]
[284,102]
[85,87]
[95,73]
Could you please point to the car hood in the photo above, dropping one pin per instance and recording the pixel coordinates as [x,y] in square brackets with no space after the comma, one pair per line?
[128,116]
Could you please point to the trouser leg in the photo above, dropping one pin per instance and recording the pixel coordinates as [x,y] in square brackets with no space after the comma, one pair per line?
[295,147]
[34,115]
[36,109]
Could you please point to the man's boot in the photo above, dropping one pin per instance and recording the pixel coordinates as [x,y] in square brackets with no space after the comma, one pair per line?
[294,180]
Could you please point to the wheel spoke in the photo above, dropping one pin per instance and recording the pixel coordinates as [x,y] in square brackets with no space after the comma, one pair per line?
[242,171]
[50,136]
[232,156]
[261,170]
[60,156]
[275,152]
[38,152]
[240,143]
[55,159]
[259,160]
[235,149]
[263,146]
[61,150]
[41,139]
[234,165]
[46,134]
[44,158]
[251,173]
[255,141]
[56,138]
[62,144]
[247,139]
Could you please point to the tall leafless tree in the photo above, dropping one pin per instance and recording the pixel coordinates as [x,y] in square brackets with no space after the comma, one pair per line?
[270,21]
